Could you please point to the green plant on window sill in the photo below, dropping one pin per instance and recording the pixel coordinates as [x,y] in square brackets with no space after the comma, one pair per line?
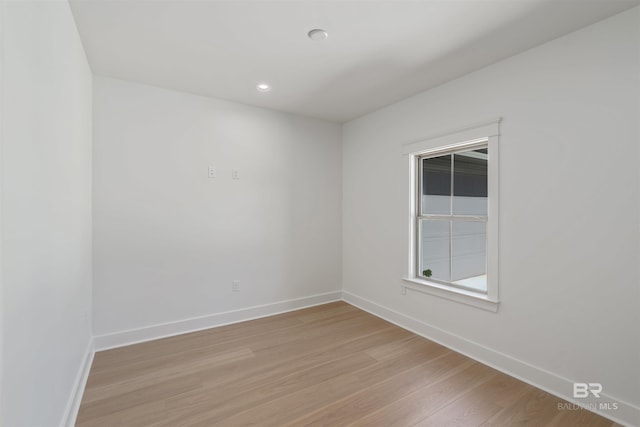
[427,272]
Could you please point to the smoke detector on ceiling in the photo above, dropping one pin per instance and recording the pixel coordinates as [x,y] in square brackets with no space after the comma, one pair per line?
[318,35]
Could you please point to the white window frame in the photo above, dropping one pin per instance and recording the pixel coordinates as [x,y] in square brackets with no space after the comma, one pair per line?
[472,137]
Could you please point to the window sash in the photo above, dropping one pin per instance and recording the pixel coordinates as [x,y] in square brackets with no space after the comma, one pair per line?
[418,248]
[420,216]
[482,143]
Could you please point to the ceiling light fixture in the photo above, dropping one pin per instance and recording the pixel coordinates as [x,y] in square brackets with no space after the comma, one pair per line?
[318,35]
[263,87]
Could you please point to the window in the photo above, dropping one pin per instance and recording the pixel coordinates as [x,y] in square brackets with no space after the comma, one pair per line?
[452,218]
[454,210]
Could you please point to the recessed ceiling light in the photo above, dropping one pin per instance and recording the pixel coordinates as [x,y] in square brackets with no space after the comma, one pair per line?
[263,87]
[318,35]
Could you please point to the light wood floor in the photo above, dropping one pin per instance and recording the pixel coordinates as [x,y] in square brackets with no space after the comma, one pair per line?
[331,365]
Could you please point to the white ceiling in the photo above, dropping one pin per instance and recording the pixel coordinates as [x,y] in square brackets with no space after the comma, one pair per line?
[378,52]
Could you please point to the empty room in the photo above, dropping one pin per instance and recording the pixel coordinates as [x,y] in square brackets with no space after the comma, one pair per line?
[324,212]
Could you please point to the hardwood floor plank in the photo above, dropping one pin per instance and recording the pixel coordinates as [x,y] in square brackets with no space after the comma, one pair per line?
[533,408]
[329,365]
[142,415]
[136,380]
[195,408]
[463,412]
[141,396]
[366,401]
[476,404]
[433,396]
[303,400]
[232,382]
[319,315]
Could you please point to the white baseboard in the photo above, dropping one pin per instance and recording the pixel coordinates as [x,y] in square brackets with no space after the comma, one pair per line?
[625,414]
[73,405]
[134,336]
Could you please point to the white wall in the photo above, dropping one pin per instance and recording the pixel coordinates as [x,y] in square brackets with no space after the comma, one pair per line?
[569,232]
[46,211]
[169,241]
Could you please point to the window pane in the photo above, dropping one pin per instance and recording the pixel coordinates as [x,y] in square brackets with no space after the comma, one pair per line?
[469,254]
[470,183]
[436,185]
[434,249]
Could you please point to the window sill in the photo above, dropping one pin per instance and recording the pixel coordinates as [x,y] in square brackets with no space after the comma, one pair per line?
[459,295]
